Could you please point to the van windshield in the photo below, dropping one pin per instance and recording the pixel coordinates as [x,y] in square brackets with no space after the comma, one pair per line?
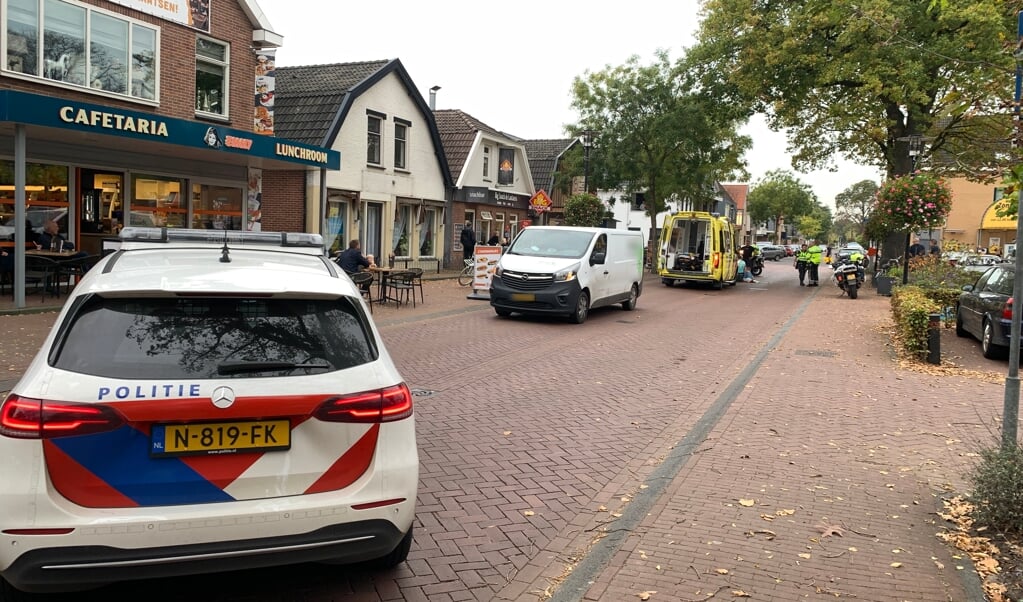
[540,242]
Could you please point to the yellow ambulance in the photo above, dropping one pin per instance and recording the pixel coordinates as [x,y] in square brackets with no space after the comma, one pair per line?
[697,246]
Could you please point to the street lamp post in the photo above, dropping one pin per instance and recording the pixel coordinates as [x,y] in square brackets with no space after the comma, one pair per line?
[1010,403]
[914,152]
[587,140]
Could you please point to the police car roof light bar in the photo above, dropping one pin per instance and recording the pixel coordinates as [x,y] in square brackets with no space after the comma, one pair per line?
[220,237]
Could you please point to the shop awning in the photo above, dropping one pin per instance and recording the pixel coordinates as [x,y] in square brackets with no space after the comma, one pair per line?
[135,129]
[992,221]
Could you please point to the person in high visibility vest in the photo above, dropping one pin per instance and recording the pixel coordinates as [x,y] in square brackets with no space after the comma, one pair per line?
[802,262]
[815,252]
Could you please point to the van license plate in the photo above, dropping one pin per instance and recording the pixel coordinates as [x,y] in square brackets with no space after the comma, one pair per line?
[220,437]
[528,297]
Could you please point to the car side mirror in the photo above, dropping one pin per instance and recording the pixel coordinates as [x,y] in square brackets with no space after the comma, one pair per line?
[967,288]
[597,257]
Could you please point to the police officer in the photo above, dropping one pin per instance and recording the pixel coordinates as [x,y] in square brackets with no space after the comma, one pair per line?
[802,262]
[857,258]
[814,261]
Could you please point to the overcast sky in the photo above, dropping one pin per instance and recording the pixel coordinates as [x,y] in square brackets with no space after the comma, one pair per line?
[511,65]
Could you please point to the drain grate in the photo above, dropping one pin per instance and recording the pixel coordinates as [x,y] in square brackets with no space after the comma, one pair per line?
[816,353]
[421,392]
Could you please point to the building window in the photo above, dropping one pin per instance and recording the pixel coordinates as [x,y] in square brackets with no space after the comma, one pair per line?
[402,231]
[400,144]
[486,162]
[157,202]
[217,207]
[373,145]
[428,232]
[81,46]
[212,60]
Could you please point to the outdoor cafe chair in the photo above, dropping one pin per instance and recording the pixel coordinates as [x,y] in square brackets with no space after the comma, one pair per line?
[364,281]
[400,287]
[417,282]
[44,273]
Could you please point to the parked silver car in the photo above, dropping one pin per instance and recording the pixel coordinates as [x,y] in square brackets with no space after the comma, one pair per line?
[771,251]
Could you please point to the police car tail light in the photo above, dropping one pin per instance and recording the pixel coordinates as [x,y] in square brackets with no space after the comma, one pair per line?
[385,405]
[26,418]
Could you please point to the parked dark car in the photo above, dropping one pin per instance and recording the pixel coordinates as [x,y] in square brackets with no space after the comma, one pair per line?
[984,310]
[769,251]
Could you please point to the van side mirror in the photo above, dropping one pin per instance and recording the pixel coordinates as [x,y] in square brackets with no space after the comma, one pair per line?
[598,257]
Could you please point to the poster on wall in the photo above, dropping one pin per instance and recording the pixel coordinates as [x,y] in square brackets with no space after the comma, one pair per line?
[193,13]
[265,84]
[254,206]
[506,166]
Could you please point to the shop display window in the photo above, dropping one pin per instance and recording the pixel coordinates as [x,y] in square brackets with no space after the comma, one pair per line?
[217,207]
[46,197]
[157,202]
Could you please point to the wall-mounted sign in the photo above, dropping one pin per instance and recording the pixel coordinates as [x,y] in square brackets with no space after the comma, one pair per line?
[540,201]
[506,166]
[193,13]
[265,89]
[67,114]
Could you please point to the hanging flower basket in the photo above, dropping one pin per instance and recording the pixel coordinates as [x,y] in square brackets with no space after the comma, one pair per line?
[919,201]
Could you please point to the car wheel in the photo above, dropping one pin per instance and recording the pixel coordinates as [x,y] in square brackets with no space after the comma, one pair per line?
[582,308]
[960,331]
[990,350]
[630,304]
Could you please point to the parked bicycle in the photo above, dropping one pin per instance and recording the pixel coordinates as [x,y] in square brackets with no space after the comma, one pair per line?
[466,276]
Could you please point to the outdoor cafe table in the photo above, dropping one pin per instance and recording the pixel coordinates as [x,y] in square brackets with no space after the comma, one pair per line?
[383,273]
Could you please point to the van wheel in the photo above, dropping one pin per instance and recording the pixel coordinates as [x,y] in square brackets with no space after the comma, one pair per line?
[582,308]
[630,304]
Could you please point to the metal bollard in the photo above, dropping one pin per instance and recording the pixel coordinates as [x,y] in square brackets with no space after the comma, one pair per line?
[934,339]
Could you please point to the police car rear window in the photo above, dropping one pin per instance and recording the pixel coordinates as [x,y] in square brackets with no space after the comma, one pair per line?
[214,338]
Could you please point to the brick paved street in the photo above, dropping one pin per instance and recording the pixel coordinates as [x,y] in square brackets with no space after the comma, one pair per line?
[708,431]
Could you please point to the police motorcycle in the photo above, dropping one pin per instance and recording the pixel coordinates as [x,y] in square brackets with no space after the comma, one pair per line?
[756,264]
[848,276]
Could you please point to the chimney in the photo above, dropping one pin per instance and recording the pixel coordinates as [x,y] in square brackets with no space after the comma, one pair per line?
[433,98]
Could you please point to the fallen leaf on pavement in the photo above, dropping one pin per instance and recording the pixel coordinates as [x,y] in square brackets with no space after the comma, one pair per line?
[746,503]
[645,595]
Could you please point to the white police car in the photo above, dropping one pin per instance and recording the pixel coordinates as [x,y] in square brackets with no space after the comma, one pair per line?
[206,400]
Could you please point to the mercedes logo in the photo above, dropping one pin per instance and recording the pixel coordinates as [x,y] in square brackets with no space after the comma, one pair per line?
[223,397]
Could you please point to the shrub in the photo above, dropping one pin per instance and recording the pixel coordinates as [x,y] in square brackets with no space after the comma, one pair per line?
[911,308]
[998,488]
[584,210]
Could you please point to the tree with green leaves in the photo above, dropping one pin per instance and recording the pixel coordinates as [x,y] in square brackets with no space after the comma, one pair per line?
[584,210]
[659,133]
[861,78]
[780,196]
[854,206]
[898,84]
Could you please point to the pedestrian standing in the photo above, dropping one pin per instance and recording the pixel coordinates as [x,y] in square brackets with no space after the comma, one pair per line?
[802,262]
[468,239]
[813,263]
[935,249]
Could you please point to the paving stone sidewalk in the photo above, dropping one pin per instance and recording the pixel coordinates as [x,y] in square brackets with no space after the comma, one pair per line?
[822,480]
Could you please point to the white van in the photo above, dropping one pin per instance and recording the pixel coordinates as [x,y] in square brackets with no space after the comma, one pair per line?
[563,270]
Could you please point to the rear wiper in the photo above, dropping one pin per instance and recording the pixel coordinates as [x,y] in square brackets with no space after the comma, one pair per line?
[240,366]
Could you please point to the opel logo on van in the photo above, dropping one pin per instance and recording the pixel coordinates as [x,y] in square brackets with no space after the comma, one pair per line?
[223,397]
